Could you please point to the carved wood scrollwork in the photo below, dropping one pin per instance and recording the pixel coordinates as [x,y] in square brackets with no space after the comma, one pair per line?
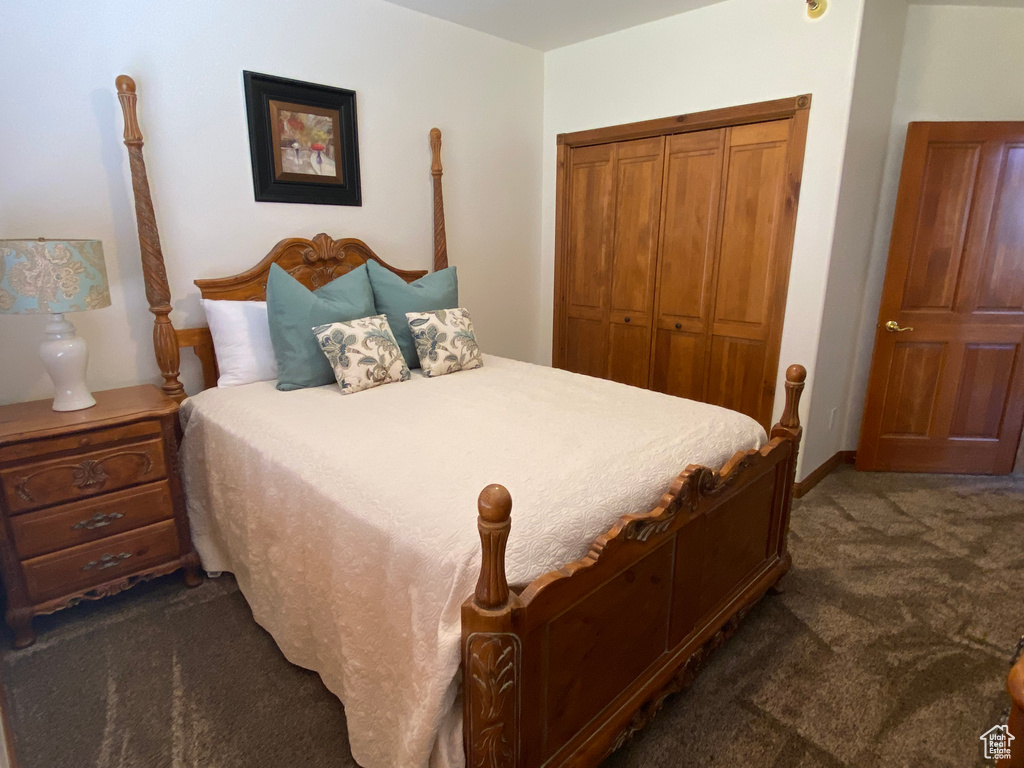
[85,474]
[493,664]
[688,489]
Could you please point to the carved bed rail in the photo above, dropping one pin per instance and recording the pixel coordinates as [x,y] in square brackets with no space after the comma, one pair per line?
[564,671]
[312,262]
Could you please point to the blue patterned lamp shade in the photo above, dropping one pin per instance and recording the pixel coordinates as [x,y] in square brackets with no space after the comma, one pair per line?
[52,276]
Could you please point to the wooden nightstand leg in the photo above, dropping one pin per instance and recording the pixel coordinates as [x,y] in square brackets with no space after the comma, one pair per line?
[20,620]
[193,572]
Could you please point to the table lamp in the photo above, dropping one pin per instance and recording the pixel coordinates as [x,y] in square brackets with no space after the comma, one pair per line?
[55,277]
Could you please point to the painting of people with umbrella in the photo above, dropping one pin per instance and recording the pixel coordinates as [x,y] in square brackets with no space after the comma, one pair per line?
[306,142]
[303,141]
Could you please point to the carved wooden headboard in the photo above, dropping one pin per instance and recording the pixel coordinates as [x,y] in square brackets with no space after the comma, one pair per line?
[312,262]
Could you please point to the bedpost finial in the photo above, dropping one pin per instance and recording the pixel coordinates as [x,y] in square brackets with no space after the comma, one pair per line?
[494,523]
[495,504]
[124,84]
[435,151]
[128,98]
[795,377]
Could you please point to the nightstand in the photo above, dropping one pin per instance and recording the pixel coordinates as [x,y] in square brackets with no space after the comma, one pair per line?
[91,502]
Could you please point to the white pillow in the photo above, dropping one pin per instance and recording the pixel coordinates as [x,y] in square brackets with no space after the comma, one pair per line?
[241,340]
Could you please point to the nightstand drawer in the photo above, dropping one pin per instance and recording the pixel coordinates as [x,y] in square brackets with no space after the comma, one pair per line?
[80,522]
[31,486]
[80,441]
[77,568]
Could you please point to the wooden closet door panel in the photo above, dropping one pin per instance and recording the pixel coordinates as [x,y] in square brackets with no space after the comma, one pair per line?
[591,227]
[630,353]
[749,283]
[689,227]
[736,375]
[637,216]
[590,214]
[586,346]
[637,213]
[755,166]
[678,363]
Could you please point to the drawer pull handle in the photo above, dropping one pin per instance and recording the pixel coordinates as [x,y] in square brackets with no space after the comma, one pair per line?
[679,326]
[627,319]
[99,520]
[106,561]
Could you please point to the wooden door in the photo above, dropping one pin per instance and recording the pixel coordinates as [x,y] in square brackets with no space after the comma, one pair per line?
[614,211]
[946,390]
[751,271]
[689,233]
[591,225]
[637,213]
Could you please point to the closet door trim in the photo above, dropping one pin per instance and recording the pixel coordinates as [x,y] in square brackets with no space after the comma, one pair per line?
[762,111]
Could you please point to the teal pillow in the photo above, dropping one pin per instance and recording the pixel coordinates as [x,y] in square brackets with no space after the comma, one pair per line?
[394,297]
[293,311]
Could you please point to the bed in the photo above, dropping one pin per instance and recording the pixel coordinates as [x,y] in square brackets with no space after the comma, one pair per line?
[359,556]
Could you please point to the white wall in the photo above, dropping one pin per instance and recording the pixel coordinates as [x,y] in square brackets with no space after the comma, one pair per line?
[874,92]
[65,173]
[737,52]
[958,63]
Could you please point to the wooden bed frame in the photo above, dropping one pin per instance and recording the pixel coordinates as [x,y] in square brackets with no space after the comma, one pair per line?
[1015,719]
[564,670]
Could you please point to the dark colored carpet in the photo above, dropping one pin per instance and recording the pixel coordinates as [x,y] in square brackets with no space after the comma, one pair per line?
[890,647]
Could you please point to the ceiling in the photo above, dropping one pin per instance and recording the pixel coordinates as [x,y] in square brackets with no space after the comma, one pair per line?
[548,24]
[989,3]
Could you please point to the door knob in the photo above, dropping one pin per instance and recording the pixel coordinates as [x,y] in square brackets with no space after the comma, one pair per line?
[893,327]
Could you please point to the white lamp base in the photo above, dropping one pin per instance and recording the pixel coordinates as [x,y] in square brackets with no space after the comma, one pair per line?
[65,356]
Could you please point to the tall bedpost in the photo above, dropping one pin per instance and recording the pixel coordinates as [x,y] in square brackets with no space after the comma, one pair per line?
[158,292]
[789,428]
[440,241]
[491,648]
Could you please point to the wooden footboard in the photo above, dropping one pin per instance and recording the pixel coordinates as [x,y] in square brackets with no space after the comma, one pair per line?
[1015,722]
[563,672]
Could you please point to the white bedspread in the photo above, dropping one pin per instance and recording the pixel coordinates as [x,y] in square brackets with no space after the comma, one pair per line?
[350,521]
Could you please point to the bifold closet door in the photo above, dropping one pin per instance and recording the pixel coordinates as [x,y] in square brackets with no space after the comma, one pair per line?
[751,270]
[614,212]
[686,265]
[720,292]
[589,251]
[672,251]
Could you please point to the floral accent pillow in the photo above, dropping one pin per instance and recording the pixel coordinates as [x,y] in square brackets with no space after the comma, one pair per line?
[444,341]
[363,353]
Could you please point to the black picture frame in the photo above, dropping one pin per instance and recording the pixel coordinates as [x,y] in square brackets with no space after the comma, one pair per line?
[321,131]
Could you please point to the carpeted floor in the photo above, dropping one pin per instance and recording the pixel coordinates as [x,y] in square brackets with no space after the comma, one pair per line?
[890,647]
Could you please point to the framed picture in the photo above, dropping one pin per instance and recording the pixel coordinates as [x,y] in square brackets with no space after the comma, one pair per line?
[302,138]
